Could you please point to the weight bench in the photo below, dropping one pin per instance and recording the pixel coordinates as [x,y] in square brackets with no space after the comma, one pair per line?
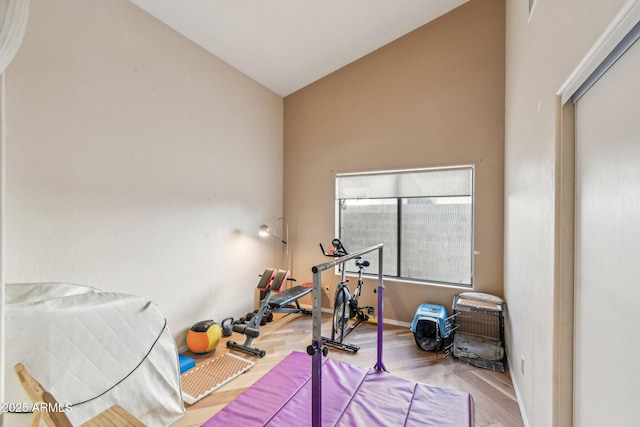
[274,301]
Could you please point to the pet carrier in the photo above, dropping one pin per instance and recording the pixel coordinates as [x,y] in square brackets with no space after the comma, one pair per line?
[479,330]
[430,326]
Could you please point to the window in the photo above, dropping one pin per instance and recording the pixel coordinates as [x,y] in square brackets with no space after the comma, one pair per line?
[423,217]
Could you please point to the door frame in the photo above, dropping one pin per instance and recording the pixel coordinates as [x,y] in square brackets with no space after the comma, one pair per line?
[593,65]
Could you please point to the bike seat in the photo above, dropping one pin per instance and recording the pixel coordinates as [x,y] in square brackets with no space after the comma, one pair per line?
[361,262]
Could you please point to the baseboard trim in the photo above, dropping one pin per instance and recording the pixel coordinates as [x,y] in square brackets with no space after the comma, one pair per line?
[523,413]
[183,348]
[385,321]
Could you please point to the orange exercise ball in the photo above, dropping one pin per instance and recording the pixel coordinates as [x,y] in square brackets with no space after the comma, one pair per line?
[204,336]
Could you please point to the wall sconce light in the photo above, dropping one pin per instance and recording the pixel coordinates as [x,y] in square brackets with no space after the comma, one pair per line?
[265,231]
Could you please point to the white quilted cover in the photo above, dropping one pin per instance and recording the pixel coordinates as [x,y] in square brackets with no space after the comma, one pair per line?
[78,342]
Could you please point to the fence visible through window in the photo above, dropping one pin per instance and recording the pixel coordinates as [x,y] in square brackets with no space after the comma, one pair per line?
[423,217]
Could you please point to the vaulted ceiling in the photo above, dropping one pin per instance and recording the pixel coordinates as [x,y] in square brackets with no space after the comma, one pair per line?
[288,44]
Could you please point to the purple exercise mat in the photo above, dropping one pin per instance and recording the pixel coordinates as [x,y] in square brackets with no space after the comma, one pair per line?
[351,396]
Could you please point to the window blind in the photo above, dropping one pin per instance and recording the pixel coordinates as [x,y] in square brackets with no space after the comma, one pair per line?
[453,182]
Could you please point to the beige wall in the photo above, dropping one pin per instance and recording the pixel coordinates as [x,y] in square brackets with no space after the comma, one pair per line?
[431,98]
[541,52]
[137,162]
[123,141]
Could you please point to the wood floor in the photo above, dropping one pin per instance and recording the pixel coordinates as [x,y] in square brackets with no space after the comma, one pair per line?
[494,399]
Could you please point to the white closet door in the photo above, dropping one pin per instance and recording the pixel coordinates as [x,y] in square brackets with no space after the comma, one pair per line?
[607,258]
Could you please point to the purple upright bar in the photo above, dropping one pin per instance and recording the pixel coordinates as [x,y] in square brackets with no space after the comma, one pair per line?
[380,364]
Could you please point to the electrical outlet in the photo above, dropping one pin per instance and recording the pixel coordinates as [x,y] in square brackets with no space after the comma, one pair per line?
[522,364]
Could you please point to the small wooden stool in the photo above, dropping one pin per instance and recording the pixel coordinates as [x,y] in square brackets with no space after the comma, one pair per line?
[114,416]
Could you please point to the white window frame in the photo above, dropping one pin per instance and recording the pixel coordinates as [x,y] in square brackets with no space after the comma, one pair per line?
[398,277]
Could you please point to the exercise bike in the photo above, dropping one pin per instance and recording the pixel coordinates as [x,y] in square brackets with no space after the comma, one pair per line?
[345,305]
